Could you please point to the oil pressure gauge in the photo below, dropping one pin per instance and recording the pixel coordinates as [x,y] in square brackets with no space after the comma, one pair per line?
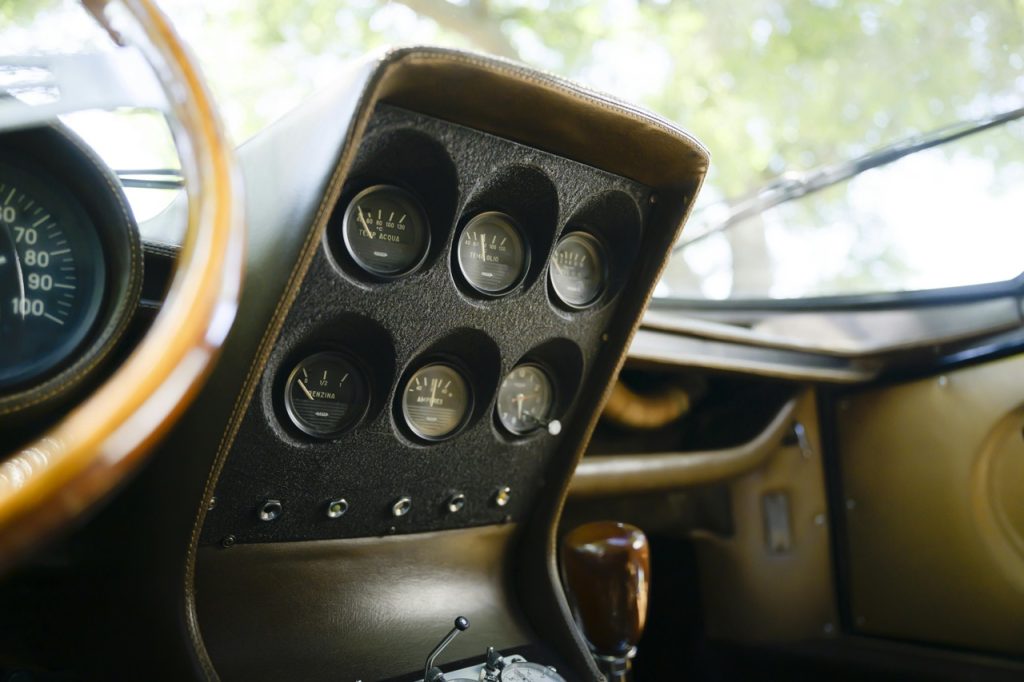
[578,270]
[386,231]
[436,401]
[492,254]
[326,394]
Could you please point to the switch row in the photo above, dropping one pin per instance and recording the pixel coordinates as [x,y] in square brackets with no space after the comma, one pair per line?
[271,509]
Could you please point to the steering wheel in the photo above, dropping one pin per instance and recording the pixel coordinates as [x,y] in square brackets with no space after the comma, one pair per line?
[53,481]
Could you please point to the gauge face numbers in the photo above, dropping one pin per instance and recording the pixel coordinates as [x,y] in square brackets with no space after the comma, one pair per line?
[436,401]
[386,231]
[492,254]
[578,270]
[525,671]
[52,275]
[326,395]
[525,399]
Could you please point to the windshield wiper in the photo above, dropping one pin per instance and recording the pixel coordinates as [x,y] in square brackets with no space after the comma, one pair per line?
[795,185]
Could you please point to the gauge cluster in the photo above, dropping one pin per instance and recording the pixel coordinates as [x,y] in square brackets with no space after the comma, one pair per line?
[439,342]
[70,269]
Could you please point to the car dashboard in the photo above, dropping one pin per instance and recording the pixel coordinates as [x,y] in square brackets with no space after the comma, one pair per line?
[447,257]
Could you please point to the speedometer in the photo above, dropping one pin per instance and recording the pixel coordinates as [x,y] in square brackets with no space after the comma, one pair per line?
[52,273]
[70,267]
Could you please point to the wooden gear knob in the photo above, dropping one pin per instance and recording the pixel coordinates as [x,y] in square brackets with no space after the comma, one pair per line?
[606,567]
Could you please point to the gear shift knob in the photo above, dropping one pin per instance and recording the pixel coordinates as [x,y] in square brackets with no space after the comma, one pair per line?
[606,567]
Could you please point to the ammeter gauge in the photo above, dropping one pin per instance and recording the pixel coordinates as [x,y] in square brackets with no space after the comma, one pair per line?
[436,401]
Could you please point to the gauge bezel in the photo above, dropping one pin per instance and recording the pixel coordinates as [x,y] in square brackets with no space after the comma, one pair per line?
[295,420]
[350,250]
[523,240]
[605,269]
[467,379]
[58,153]
[548,374]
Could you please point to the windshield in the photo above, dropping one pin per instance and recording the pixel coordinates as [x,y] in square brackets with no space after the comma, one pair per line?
[770,86]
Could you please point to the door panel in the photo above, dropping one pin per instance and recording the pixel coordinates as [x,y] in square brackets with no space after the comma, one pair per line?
[933,479]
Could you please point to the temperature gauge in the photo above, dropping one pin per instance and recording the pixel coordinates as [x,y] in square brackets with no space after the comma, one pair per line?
[326,395]
[436,401]
[386,231]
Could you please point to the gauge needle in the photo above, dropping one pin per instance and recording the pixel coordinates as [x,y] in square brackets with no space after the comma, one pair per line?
[520,398]
[483,250]
[305,390]
[369,232]
[433,390]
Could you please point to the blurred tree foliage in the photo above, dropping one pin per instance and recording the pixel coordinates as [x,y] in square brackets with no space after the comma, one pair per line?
[768,85]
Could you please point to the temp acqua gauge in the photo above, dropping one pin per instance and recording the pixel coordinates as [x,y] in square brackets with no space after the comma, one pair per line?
[436,401]
[326,395]
[52,274]
[386,231]
[525,399]
[578,270]
[492,253]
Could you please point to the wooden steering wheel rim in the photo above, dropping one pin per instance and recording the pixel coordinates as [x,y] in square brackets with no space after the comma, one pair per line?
[80,460]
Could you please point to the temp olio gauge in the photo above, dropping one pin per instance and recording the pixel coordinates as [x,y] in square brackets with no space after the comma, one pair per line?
[326,395]
[578,270]
[525,399]
[386,231]
[492,254]
[436,401]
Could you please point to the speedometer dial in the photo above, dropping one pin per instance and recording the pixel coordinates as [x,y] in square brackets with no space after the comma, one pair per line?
[52,274]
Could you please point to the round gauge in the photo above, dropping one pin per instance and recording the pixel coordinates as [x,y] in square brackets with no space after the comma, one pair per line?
[525,399]
[492,254]
[525,671]
[578,269]
[436,401]
[326,395]
[386,231]
[52,274]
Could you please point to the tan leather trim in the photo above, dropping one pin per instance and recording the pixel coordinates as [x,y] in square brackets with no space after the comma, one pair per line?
[931,474]
[753,594]
[663,349]
[853,334]
[101,441]
[644,473]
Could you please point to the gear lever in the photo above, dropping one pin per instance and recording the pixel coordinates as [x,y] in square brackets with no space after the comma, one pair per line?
[606,567]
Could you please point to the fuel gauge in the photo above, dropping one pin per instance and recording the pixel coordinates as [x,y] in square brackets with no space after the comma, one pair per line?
[326,395]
